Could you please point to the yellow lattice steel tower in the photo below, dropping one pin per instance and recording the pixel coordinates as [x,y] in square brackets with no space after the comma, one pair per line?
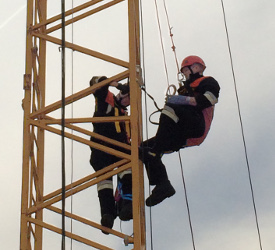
[42,30]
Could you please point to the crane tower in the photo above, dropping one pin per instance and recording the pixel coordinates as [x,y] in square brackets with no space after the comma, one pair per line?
[41,119]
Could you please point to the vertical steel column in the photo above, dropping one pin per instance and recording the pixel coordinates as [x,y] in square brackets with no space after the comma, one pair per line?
[33,138]
[24,234]
[40,82]
[136,125]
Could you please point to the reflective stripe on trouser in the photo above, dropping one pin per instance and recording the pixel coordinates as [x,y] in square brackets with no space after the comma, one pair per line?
[106,184]
[170,112]
[122,174]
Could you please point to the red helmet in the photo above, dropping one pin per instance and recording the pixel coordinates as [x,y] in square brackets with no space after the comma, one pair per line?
[190,60]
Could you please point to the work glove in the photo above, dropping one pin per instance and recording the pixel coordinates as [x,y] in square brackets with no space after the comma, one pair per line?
[124,88]
[181,100]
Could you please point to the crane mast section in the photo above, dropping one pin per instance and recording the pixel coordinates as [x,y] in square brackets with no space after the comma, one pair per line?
[40,121]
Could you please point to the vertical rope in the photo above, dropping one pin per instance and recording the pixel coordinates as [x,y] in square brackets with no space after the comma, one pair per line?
[242,129]
[187,204]
[182,174]
[72,115]
[63,122]
[146,115]
[171,35]
[162,45]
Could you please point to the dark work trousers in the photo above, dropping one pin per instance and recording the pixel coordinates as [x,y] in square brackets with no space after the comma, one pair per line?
[100,160]
[171,136]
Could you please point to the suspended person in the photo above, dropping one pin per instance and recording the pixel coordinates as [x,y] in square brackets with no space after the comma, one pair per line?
[107,104]
[184,121]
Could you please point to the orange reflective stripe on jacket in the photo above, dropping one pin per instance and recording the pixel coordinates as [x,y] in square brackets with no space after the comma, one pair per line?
[197,82]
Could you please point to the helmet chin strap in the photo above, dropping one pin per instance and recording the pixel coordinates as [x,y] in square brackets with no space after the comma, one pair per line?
[192,72]
[189,67]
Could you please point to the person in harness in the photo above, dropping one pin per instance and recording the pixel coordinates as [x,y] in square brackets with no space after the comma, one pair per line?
[107,104]
[184,121]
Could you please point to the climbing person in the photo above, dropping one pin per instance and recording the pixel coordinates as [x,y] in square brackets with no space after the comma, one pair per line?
[107,104]
[184,121]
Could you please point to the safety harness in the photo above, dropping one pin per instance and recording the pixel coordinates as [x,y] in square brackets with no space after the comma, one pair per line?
[110,99]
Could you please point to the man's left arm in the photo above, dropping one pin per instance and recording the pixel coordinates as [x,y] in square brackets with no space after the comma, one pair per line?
[207,93]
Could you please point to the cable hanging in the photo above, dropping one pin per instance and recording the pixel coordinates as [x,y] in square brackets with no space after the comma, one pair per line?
[187,203]
[72,115]
[63,121]
[161,42]
[164,60]
[242,129]
[146,115]
[171,36]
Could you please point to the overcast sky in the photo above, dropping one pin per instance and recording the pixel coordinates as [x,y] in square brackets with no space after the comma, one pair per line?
[216,173]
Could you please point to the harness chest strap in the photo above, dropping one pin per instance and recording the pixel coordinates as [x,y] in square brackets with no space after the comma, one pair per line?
[117,125]
[111,101]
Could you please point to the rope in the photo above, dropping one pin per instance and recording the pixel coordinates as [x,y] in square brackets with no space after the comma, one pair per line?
[242,129]
[186,201]
[171,35]
[161,41]
[164,62]
[72,115]
[63,123]
[164,58]
[146,115]
[181,165]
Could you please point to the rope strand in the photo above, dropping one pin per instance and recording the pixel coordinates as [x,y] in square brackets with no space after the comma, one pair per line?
[161,42]
[146,115]
[186,202]
[181,165]
[63,123]
[72,115]
[171,35]
[242,129]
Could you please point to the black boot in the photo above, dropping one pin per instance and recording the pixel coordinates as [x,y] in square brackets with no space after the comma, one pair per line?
[107,206]
[126,211]
[107,220]
[160,192]
[125,207]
